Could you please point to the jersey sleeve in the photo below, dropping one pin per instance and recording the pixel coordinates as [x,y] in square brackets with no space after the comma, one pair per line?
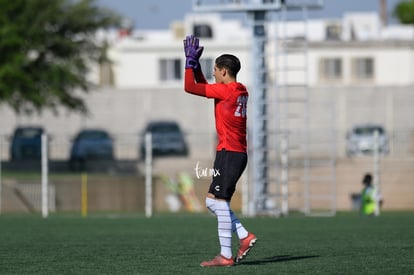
[218,91]
[190,86]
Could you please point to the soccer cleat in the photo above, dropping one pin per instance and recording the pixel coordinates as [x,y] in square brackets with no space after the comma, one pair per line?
[219,260]
[246,245]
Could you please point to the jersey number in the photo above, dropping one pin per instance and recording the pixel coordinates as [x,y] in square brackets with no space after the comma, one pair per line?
[241,109]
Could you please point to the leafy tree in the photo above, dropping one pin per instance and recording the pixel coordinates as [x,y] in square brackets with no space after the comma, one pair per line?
[46,48]
[404,11]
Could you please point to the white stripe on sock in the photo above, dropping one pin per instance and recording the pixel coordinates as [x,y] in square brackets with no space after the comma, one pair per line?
[224,227]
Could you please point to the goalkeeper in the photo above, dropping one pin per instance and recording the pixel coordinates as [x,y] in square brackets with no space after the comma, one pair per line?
[230,102]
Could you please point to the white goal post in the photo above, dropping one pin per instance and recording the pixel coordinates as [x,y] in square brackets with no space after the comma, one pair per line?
[45,193]
[148,175]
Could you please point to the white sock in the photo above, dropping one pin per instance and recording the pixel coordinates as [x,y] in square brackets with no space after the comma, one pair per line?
[211,205]
[237,226]
[224,227]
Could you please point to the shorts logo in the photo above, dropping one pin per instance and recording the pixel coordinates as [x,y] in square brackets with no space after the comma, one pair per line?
[217,188]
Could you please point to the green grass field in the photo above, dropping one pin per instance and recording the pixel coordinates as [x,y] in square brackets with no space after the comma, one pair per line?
[168,244]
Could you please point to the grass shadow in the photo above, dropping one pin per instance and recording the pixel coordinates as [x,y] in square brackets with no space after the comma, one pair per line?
[275,259]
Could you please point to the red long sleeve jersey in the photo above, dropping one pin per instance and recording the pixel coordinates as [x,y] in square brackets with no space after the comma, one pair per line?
[230,109]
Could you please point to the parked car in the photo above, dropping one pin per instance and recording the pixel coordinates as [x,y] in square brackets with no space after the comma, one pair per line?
[91,144]
[26,143]
[167,139]
[361,140]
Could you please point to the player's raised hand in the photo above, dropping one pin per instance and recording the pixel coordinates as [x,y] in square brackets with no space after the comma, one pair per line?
[192,51]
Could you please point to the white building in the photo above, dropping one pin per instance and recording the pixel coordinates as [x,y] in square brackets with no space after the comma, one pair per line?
[355,50]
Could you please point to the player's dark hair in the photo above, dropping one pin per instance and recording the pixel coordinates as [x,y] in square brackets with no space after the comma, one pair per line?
[229,62]
[367,179]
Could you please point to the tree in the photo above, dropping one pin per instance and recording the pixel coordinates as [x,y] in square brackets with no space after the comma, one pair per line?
[46,48]
[404,11]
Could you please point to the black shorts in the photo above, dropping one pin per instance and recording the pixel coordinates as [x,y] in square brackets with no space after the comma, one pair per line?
[228,167]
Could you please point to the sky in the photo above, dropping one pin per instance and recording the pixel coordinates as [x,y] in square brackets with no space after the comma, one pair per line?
[158,14]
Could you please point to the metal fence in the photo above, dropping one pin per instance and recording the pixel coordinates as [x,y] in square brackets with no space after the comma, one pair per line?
[127,146]
[110,189]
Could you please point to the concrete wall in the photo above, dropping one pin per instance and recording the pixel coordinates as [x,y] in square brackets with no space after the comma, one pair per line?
[124,114]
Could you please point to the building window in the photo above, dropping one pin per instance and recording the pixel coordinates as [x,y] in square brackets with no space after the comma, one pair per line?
[333,31]
[363,68]
[330,69]
[202,31]
[207,67]
[170,69]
